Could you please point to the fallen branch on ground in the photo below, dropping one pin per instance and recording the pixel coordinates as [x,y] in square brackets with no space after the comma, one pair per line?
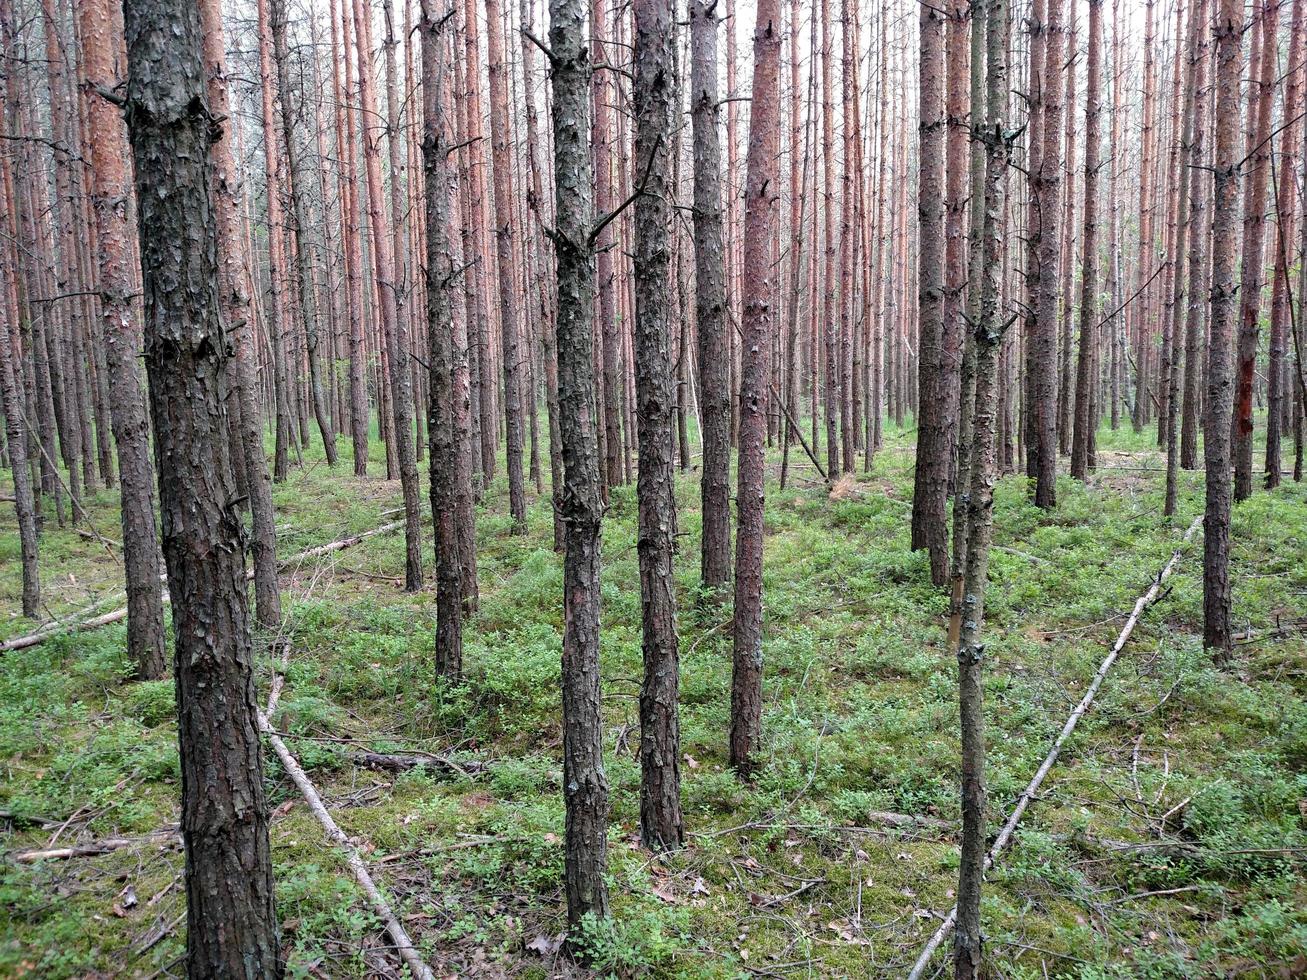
[1009,828]
[403,944]
[105,845]
[118,615]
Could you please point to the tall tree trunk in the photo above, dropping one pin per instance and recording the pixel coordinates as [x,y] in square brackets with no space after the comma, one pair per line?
[110,177]
[759,312]
[1043,342]
[1285,202]
[11,386]
[1087,356]
[653,93]
[830,286]
[393,327]
[352,221]
[710,301]
[235,295]
[585,784]
[601,94]
[231,914]
[930,491]
[1196,306]
[296,180]
[442,269]
[1254,230]
[279,317]
[1227,31]
[508,313]
[1184,230]
[967,941]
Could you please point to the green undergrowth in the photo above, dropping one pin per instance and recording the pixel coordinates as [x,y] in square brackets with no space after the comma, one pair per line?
[1167,842]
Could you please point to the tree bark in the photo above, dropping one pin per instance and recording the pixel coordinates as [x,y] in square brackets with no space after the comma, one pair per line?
[1042,359]
[1227,32]
[1285,202]
[393,327]
[967,941]
[585,784]
[1196,307]
[1087,357]
[710,302]
[759,312]
[235,294]
[508,313]
[653,91]
[442,269]
[295,181]
[231,915]
[110,177]
[1254,232]
[930,483]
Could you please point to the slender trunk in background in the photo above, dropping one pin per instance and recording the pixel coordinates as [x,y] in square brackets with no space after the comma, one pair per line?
[1282,313]
[830,284]
[1066,274]
[536,201]
[760,210]
[1258,169]
[1145,261]
[585,784]
[1034,223]
[1115,325]
[296,179]
[231,913]
[930,489]
[508,313]
[602,97]
[975,278]
[278,323]
[110,176]
[359,412]
[710,302]
[957,137]
[393,327]
[1199,177]
[442,309]
[11,387]
[1087,357]
[1179,259]
[1227,32]
[653,93]
[1042,358]
[235,295]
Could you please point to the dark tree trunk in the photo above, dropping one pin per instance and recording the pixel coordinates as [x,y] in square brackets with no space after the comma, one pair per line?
[508,315]
[110,177]
[710,301]
[760,210]
[296,181]
[1227,29]
[1196,307]
[1182,237]
[1042,358]
[930,491]
[237,304]
[1087,358]
[967,940]
[12,392]
[585,784]
[1285,200]
[1258,169]
[653,94]
[231,916]
[442,310]
[393,327]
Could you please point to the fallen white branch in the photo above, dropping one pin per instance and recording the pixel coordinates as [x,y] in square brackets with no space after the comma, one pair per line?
[44,632]
[1009,828]
[403,944]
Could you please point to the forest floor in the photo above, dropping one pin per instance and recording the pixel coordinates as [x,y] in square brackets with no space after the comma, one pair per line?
[1170,840]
